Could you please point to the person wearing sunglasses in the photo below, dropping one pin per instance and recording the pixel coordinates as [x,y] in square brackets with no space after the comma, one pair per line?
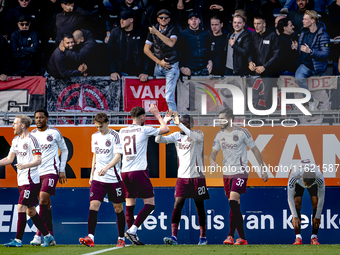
[24,45]
[162,39]
[11,18]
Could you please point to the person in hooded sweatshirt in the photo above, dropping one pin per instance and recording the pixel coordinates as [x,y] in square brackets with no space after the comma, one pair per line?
[24,46]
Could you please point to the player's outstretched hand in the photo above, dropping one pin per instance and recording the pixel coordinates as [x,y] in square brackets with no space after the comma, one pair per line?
[296,222]
[176,118]
[154,110]
[168,116]
[62,178]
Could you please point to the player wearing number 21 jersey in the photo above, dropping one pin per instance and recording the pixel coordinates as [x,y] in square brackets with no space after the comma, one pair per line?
[51,168]
[134,139]
[105,178]
[190,178]
[233,142]
[26,148]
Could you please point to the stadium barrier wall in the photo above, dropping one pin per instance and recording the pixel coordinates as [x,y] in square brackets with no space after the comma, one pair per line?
[281,149]
[267,217]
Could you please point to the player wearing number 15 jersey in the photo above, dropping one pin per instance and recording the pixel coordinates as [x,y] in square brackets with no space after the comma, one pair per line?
[51,168]
[105,178]
[26,148]
[191,180]
[135,174]
[233,142]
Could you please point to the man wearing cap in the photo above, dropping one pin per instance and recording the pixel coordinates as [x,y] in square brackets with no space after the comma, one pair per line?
[13,14]
[162,38]
[24,45]
[70,19]
[194,51]
[125,48]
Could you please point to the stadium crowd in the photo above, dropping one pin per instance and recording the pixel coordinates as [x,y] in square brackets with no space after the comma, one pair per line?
[171,38]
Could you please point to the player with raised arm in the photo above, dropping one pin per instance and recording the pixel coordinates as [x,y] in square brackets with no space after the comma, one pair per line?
[233,142]
[134,139]
[190,178]
[50,170]
[28,152]
[105,178]
[306,175]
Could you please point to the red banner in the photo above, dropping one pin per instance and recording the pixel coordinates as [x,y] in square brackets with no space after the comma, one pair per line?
[22,94]
[143,94]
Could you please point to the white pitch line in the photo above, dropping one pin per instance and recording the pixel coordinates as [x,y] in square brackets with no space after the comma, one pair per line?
[105,250]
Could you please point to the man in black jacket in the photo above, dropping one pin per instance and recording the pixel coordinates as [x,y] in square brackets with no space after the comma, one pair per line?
[125,48]
[70,19]
[163,38]
[61,67]
[264,61]
[238,48]
[194,49]
[5,60]
[296,16]
[13,14]
[24,44]
[86,51]
[218,41]
[266,55]
[289,46]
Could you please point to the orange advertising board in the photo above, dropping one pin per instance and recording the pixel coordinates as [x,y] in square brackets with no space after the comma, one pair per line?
[281,148]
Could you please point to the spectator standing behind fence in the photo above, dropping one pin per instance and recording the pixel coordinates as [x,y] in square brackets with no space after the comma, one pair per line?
[266,55]
[125,48]
[86,50]
[162,40]
[296,16]
[289,47]
[313,52]
[5,59]
[238,48]
[70,19]
[61,67]
[194,49]
[13,14]
[218,40]
[24,45]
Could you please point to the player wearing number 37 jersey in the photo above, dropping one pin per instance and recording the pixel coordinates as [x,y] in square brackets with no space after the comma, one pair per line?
[233,142]
[134,139]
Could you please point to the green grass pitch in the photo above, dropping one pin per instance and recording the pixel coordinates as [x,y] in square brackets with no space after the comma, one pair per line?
[179,249]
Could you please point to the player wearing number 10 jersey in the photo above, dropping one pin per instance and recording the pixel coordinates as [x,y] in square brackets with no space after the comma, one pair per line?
[50,169]
[233,142]
[135,174]
[105,178]
[191,180]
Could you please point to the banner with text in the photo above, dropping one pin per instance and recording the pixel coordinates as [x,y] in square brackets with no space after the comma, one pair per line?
[82,94]
[266,214]
[143,94]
